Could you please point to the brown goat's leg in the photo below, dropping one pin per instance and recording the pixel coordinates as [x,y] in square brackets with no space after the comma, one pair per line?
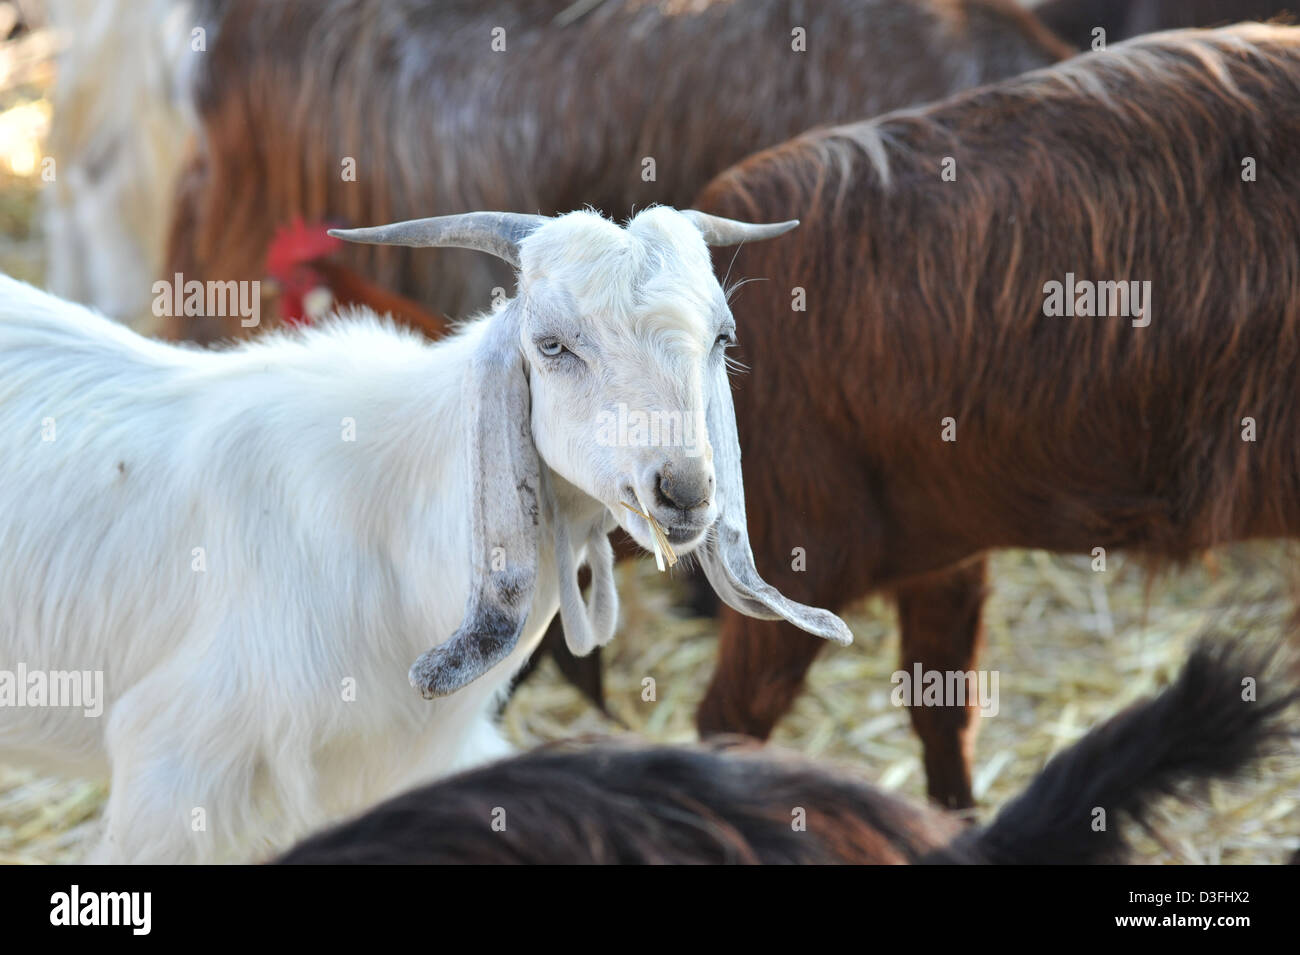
[761,669]
[942,631]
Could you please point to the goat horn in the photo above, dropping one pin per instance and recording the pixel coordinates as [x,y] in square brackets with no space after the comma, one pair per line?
[719,231]
[497,233]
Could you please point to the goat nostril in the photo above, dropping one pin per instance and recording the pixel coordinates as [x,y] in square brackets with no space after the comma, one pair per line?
[662,497]
[671,494]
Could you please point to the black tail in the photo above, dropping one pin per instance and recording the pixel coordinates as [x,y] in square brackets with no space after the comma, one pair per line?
[1207,725]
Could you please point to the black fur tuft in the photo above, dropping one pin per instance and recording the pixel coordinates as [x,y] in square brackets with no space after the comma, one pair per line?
[1198,729]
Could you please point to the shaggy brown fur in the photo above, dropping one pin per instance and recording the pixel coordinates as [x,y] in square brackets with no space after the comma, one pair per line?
[621,804]
[926,301]
[439,123]
[1121,19]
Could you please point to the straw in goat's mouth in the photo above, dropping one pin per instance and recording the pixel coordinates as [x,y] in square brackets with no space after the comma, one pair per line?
[657,536]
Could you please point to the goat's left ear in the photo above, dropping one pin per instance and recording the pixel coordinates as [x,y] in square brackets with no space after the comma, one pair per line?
[505,501]
[726,557]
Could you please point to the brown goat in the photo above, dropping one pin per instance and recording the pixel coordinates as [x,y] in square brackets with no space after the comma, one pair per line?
[435,120]
[621,804]
[1121,19]
[1173,160]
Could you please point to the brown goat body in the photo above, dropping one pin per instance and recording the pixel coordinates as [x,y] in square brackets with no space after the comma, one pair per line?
[367,111]
[1172,160]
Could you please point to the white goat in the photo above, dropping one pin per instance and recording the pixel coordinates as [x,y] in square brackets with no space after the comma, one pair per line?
[121,122]
[253,544]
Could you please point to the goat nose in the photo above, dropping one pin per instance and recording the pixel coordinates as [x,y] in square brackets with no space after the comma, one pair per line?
[684,491]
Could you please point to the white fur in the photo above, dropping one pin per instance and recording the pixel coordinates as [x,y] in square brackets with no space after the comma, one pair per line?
[645,309]
[328,565]
[326,560]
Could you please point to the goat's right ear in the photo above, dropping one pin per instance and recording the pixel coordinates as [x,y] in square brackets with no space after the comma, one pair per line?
[505,503]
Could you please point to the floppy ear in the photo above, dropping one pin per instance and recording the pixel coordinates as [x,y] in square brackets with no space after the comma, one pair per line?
[726,557]
[602,606]
[585,628]
[505,496]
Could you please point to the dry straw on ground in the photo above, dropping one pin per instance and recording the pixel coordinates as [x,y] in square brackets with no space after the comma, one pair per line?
[1071,647]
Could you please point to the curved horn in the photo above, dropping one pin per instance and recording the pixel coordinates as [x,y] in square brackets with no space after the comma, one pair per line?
[719,231]
[497,233]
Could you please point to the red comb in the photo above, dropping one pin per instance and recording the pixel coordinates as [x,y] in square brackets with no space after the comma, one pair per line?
[297,243]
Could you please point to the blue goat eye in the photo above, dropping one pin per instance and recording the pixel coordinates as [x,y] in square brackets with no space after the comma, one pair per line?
[550,348]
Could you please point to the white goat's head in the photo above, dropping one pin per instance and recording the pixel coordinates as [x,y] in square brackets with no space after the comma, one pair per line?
[606,370]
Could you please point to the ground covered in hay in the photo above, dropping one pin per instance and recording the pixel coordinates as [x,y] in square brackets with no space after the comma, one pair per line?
[1071,646]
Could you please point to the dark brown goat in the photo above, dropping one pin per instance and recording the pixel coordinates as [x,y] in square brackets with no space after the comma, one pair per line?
[618,804]
[436,120]
[1121,19]
[1173,160]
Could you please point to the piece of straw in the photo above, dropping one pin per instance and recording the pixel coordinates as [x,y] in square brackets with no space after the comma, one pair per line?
[657,536]
[654,529]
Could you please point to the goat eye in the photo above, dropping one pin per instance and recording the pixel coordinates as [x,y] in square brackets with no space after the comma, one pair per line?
[726,340]
[550,348]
